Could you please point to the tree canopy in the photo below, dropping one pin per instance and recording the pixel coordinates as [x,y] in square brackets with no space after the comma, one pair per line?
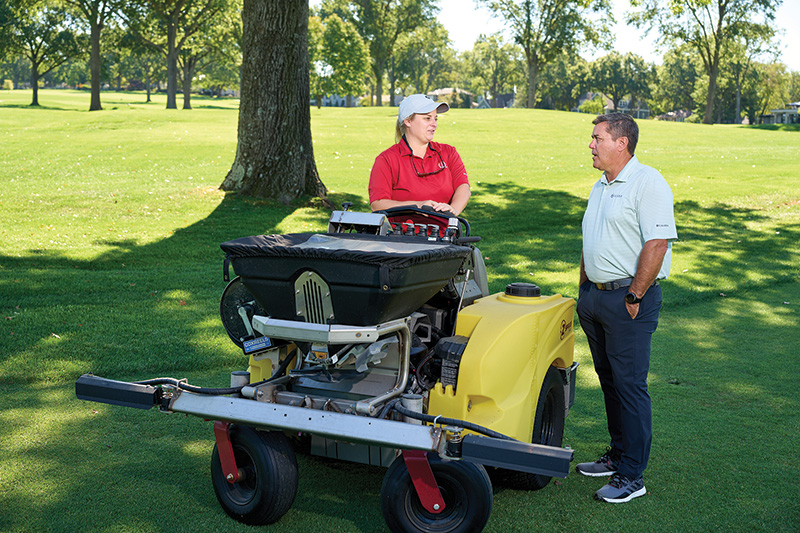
[546,28]
[708,26]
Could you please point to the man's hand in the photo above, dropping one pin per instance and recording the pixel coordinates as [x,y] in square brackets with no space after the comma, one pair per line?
[633,309]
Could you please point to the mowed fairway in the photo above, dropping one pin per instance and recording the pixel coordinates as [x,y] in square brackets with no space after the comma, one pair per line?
[110,224]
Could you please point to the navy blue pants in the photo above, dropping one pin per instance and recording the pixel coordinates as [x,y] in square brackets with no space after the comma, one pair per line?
[621,353]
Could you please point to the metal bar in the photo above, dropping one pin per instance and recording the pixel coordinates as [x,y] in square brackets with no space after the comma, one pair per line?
[349,428]
[401,326]
[322,333]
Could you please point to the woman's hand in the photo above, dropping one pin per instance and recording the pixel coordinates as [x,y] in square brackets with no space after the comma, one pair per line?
[439,206]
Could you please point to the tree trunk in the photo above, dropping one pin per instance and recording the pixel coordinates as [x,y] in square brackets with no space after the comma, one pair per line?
[187,84]
[378,83]
[713,73]
[35,83]
[738,119]
[172,65]
[94,63]
[274,156]
[533,80]
[147,86]
[391,85]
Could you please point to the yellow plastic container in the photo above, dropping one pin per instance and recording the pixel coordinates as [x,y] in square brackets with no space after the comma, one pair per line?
[513,340]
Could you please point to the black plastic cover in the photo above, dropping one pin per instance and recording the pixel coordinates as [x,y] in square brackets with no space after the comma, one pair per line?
[519,288]
[96,389]
[450,350]
[372,278]
[516,455]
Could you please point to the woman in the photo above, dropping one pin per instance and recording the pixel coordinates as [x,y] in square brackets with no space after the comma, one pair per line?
[417,171]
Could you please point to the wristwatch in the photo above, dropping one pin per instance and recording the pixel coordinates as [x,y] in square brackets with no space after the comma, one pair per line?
[631,298]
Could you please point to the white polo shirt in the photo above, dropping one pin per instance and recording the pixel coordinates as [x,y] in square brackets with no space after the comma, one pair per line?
[621,216]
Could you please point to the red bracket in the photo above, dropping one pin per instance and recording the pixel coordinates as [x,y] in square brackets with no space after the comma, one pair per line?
[225,450]
[422,476]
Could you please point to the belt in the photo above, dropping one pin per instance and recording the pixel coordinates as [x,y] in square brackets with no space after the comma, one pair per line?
[617,284]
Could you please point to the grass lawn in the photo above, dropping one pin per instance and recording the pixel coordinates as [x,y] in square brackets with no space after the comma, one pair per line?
[110,224]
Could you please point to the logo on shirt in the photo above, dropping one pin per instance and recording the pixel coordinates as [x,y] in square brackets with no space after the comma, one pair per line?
[662,225]
[616,196]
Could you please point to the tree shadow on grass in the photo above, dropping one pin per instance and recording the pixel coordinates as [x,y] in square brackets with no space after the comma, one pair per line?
[132,311]
[39,107]
[774,127]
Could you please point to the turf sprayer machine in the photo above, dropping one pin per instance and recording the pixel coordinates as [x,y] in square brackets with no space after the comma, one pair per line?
[378,342]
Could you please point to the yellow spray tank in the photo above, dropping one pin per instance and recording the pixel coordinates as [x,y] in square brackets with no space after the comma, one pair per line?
[514,338]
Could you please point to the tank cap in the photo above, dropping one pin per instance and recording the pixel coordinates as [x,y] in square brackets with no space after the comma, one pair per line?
[526,290]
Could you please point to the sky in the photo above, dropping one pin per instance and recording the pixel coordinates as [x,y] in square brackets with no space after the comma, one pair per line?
[465,22]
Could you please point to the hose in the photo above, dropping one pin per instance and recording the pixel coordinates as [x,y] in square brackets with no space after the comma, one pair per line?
[218,392]
[450,422]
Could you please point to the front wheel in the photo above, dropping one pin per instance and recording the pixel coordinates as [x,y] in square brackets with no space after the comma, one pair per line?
[466,490]
[268,476]
[548,427]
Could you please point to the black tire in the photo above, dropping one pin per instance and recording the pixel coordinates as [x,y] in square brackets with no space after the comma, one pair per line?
[268,476]
[466,490]
[548,427]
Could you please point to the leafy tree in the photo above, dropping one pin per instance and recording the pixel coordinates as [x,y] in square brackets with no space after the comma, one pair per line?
[94,13]
[495,66]
[423,58]
[607,76]
[216,40]
[618,76]
[595,106]
[742,50]
[563,81]
[224,70]
[317,68]
[381,23]
[340,59]
[44,35]
[167,25]
[775,87]
[15,69]
[274,156]
[675,80]
[707,26]
[7,17]
[546,28]
[145,62]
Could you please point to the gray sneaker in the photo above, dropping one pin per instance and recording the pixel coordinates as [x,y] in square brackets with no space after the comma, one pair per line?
[621,489]
[605,466]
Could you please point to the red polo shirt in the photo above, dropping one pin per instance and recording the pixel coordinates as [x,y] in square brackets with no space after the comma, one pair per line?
[393,177]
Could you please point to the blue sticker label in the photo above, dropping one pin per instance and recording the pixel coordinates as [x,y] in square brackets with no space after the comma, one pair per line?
[254,345]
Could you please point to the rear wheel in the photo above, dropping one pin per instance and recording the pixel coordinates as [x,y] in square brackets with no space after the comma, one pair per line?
[268,476]
[548,427]
[465,488]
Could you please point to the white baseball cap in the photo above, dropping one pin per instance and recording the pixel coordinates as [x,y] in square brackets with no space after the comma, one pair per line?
[419,103]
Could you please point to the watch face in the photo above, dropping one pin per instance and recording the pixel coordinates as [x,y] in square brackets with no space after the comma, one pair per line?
[631,298]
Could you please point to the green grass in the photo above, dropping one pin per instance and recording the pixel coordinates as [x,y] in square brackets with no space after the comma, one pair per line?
[110,224]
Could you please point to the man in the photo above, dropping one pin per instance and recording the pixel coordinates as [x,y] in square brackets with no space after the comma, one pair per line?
[628,229]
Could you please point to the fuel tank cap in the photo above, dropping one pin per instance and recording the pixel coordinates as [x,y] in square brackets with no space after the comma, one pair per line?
[526,290]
